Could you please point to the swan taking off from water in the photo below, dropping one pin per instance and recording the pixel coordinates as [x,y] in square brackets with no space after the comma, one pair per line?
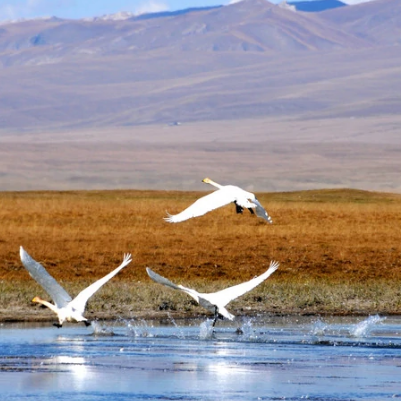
[66,308]
[226,194]
[216,302]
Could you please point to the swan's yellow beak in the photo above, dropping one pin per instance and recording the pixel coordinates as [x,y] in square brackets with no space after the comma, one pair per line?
[206,180]
[36,299]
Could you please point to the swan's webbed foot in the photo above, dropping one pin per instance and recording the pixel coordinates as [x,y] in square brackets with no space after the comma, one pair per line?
[58,325]
[87,323]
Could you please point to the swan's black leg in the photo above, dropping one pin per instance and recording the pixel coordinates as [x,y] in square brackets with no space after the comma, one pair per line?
[216,316]
[238,208]
[58,325]
[251,210]
[87,323]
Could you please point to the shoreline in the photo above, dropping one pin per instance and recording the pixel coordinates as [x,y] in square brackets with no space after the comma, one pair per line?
[162,315]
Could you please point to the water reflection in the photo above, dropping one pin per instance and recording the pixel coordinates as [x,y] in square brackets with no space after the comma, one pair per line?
[78,369]
[61,373]
[268,359]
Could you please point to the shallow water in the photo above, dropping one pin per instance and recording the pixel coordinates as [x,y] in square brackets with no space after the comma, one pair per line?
[270,359]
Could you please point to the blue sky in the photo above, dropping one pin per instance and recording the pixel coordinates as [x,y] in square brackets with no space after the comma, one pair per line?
[15,9]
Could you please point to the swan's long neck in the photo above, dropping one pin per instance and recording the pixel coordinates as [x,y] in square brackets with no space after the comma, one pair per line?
[211,182]
[45,303]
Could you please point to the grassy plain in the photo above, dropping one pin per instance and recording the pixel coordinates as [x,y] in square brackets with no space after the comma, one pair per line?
[339,250]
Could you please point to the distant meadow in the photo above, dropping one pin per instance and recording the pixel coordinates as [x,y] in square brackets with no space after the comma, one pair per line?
[339,252]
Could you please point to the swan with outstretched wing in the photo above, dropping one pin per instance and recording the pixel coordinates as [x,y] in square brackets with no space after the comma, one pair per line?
[216,302]
[66,308]
[225,195]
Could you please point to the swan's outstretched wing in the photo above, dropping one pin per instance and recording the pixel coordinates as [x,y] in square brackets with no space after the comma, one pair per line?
[261,212]
[203,205]
[162,280]
[225,296]
[58,294]
[80,300]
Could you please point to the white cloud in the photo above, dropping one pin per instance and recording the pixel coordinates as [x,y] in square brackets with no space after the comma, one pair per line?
[151,7]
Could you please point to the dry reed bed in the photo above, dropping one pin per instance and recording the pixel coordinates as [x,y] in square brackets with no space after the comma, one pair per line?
[339,251]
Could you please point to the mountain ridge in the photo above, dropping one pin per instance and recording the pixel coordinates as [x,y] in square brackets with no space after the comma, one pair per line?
[251,58]
[262,25]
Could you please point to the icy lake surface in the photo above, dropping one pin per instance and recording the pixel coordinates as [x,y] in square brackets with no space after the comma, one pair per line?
[269,358]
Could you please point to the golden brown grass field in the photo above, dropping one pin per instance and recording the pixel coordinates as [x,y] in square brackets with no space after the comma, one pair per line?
[339,252]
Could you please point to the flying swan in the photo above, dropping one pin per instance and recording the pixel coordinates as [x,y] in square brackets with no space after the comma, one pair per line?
[217,301]
[223,196]
[66,308]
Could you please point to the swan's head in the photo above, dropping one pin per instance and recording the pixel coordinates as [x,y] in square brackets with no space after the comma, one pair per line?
[37,300]
[48,305]
[209,181]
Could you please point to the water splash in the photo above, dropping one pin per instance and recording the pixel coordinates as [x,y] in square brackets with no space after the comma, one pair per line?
[138,328]
[180,334]
[101,329]
[247,331]
[206,330]
[362,329]
[319,328]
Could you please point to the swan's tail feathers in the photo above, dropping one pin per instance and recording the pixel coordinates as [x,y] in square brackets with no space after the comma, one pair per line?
[224,312]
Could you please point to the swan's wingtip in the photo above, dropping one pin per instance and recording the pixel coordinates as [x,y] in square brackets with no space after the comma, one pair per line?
[127,258]
[266,216]
[22,252]
[169,218]
[151,273]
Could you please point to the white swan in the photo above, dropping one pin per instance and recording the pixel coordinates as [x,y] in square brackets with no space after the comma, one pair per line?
[226,194]
[66,308]
[216,302]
